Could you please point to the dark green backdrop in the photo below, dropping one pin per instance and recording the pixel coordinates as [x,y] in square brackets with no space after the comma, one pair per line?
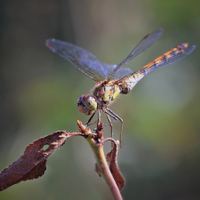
[160,158]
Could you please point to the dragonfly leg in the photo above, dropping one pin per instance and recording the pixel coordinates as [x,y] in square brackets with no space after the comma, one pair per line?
[98,119]
[99,116]
[110,124]
[116,117]
[88,123]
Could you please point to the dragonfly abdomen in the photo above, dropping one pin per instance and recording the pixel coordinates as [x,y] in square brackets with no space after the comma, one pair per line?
[167,58]
[128,82]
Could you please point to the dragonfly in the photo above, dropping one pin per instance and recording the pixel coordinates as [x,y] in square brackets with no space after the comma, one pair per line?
[113,80]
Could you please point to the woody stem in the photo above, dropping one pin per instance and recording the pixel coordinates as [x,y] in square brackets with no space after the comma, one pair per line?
[103,167]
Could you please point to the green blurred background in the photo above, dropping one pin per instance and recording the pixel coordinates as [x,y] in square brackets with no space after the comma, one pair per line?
[160,158]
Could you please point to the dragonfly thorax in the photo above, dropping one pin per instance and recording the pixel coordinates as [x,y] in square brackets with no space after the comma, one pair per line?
[105,92]
[87,104]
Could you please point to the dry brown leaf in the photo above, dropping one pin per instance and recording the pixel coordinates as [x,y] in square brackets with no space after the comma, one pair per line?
[111,157]
[32,164]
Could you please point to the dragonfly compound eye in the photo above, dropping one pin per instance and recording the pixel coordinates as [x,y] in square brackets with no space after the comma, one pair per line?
[86,104]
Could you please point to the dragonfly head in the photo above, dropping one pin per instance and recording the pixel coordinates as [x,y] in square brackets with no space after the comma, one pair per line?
[87,104]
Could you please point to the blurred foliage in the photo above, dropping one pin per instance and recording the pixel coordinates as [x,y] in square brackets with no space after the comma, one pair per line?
[38,93]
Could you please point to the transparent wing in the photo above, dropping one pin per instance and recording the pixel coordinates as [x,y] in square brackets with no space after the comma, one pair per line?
[171,56]
[108,69]
[144,44]
[121,73]
[82,59]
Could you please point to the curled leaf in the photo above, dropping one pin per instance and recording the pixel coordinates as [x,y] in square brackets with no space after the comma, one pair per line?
[111,158]
[32,164]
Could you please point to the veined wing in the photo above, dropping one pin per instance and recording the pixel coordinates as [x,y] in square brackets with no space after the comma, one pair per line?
[144,44]
[108,69]
[82,59]
[171,56]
